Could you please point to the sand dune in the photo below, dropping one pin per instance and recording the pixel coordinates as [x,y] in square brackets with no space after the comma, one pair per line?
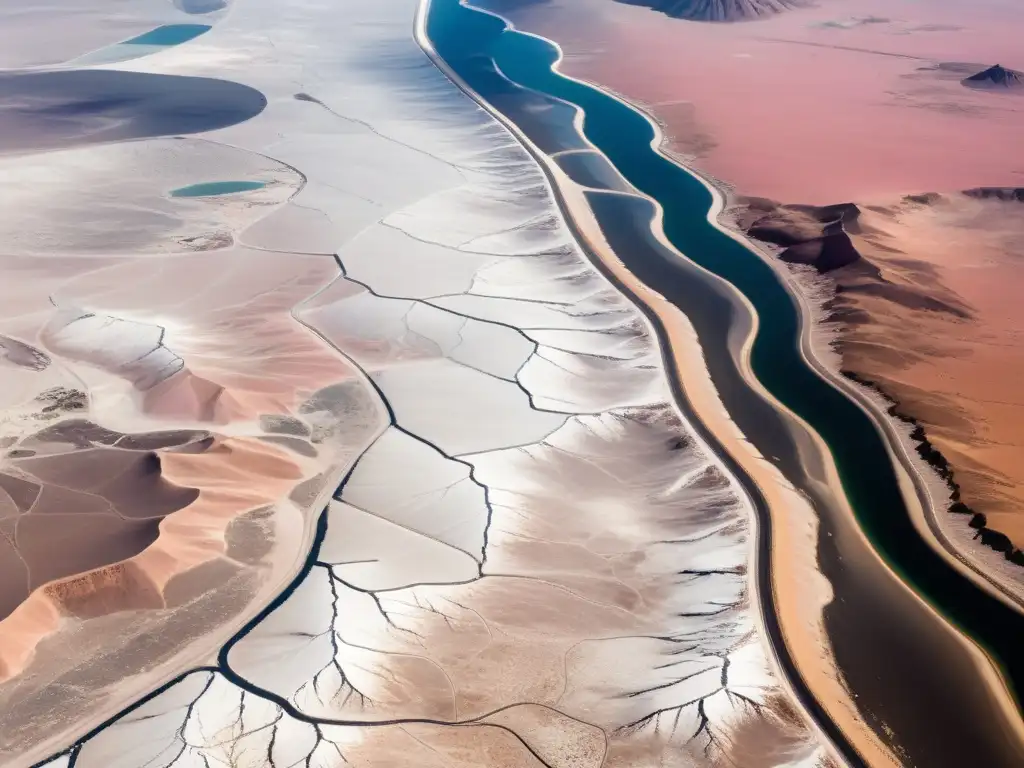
[103,530]
[141,507]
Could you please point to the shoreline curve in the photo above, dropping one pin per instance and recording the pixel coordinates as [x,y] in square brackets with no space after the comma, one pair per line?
[761,552]
[908,477]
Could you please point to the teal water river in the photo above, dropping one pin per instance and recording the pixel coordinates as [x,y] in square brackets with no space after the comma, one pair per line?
[892,660]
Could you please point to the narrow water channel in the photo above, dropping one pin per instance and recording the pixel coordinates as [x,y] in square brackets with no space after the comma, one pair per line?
[907,673]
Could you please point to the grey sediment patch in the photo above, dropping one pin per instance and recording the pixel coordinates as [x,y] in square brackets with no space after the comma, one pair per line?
[50,110]
[296,444]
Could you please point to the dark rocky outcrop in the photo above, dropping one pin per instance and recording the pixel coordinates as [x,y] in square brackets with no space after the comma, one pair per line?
[814,235]
[718,10]
[997,77]
[999,193]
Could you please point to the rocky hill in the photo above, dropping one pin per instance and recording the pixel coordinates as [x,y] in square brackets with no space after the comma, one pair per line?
[718,10]
[995,77]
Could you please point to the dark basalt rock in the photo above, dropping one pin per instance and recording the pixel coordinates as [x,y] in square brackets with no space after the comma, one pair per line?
[998,193]
[994,78]
[718,10]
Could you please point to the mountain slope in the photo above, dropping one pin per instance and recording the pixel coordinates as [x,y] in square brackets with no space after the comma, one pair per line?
[995,77]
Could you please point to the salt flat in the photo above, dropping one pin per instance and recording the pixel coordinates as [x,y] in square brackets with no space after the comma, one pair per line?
[529,557]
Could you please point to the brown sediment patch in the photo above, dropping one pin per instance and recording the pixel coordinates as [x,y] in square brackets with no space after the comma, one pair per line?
[116,588]
[561,741]
[171,537]
[768,739]
[468,746]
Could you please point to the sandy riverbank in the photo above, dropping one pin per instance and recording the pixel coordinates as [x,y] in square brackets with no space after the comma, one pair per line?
[978,661]
[799,589]
[747,119]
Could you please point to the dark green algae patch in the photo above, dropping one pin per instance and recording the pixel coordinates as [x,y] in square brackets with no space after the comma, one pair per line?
[892,663]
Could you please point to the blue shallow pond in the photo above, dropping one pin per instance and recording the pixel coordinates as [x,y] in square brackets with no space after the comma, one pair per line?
[169,34]
[214,188]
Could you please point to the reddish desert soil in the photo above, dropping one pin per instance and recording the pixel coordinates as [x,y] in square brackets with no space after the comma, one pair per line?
[140,507]
[928,309]
[844,102]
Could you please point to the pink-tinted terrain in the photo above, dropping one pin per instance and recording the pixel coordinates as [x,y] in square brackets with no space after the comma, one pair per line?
[865,102]
[840,101]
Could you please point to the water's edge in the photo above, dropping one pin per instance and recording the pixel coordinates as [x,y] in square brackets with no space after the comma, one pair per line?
[988,616]
[762,551]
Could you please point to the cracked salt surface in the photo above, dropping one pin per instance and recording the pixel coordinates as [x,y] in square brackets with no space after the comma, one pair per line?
[533,562]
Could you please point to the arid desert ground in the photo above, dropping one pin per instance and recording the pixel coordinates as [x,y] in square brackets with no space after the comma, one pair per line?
[363,403]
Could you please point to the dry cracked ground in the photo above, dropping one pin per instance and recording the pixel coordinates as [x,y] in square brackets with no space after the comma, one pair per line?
[385,386]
